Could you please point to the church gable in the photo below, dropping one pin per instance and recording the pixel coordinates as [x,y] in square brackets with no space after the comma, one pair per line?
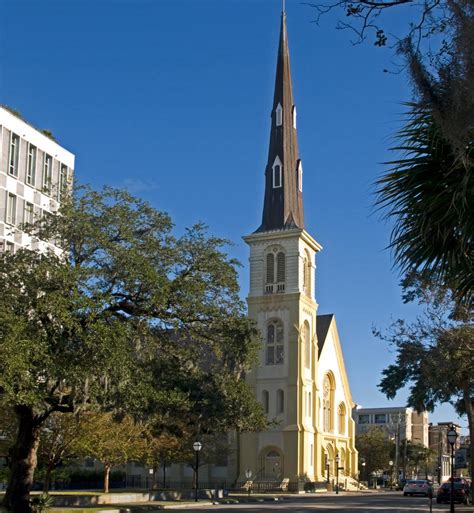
[331,358]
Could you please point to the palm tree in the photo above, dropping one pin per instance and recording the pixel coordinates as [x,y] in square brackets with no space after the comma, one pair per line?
[429,195]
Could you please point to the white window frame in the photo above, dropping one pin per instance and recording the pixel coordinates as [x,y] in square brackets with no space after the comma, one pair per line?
[14,152]
[31,159]
[277,175]
[47,171]
[63,180]
[28,212]
[279,115]
[10,217]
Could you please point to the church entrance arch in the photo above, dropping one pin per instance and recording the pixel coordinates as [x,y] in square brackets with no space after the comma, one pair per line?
[271,463]
[331,459]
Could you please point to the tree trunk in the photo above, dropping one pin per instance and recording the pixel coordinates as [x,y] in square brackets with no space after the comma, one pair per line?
[47,478]
[106,477]
[469,405]
[23,461]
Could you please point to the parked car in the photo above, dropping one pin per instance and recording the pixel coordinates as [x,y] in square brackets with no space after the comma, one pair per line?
[418,487]
[462,492]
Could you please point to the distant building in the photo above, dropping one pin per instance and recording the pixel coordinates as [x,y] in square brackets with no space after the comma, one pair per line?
[438,443]
[35,172]
[400,423]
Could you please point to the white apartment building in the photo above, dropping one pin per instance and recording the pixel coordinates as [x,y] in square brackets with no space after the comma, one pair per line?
[399,422]
[35,173]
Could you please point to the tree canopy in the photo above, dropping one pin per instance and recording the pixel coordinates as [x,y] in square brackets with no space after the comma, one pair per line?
[434,355]
[98,322]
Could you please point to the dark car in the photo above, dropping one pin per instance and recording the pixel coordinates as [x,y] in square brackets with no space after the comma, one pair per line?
[462,492]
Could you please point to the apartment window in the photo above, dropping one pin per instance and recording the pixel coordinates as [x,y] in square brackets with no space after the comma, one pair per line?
[380,418]
[364,419]
[14,153]
[31,165]
[10,247]
[47,171]
[28,213]
[11,209]
[62,181]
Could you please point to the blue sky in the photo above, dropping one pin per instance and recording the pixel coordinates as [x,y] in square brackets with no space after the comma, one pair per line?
[171,99]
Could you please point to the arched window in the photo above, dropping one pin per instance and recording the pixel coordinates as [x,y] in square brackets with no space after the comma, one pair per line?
[275,272]
[280,401]
[270,268]
[274,345]
[328,402]
[277,173]
[341,415]
[279,115]
[307,274]
[265,400]
[307,345]
[280,266]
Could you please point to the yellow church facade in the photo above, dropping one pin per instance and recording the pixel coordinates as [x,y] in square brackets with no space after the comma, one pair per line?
[300,379]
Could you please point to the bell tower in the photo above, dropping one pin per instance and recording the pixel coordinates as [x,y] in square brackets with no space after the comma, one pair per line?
[282,302]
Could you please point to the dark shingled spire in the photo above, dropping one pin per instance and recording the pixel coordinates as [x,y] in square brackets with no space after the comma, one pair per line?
[283,204]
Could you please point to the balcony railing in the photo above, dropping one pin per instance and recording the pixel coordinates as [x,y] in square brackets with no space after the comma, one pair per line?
[275,288]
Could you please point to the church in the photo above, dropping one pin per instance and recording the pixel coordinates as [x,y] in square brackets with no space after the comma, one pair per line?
[300,380]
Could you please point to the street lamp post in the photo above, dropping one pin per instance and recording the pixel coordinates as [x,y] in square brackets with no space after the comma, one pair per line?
[363,470]
[391,473]
[338,459]
[248,475]
[197,446]
[452,435]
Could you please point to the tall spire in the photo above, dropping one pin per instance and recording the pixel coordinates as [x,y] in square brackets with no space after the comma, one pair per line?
[283,203]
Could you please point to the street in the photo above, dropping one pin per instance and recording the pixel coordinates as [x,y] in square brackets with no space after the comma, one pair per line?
[350,503]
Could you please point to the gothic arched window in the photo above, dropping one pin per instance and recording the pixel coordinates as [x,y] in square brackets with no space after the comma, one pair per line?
[274,343]
[341,415]
[279,115]
[328,402]
[280,277]
[277,173]
[300,176]
[307,345]
[270,274]
[275,271]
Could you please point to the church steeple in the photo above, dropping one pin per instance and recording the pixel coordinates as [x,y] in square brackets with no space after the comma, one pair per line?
[283,203]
